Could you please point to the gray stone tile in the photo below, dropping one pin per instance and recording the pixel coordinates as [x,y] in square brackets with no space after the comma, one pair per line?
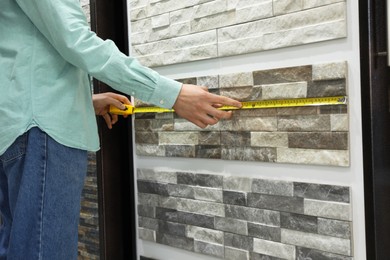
[205,180]
[307,123]
[152,187]
[205,234]
[236,254]
[209,249]
[256,256]
[327,88]
[157,176]
[236,183]
[210,138]
[171,228]
[148,223]
[146,137]
[233,139]
[326,209]
[272,202]
[276,249]
[187,151]
[191,81]
[185,217]
[208,194]
[319,140]
[283,75]
[193,206]
[289,111]
[231,225]
[153,125]
[182,191]
[264,232]
[149,150]
[146,211]
[273,187]
[208,151]
[322,192]
[151,200]
[238,241]
[335,228]
[175,241]
[234,198]
[147,234]
[320,242]
[262,216]
[259,154]
[308,253]
[312,156]
[299,222]
[334,109]
[211,82]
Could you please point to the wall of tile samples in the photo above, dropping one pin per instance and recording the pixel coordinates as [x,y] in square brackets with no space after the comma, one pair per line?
[168,31]
[269,183]
[242,218]
[305,135]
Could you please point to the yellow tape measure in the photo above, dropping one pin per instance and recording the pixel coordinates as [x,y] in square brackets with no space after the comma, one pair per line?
[277,103]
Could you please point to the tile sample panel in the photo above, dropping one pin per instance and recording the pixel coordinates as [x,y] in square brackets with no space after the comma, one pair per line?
[248,219]
[170,31]
[299,135]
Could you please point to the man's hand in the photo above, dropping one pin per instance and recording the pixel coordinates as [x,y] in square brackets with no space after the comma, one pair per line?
[198,106]
[102,102]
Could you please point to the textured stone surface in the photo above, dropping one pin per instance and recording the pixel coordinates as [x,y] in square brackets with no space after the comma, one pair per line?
[300,135]
[167,32]
[244,218]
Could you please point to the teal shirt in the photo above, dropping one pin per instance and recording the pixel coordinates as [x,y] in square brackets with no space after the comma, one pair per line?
[46,53]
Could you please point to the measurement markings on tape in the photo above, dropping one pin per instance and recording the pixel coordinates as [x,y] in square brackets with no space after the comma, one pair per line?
[277,103]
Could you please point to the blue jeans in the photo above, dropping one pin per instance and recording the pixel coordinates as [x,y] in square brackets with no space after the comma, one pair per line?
[40,188]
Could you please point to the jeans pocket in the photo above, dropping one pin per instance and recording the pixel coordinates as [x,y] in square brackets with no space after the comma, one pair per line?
[16,150]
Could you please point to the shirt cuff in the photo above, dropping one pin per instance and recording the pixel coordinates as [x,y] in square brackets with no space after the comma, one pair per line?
[166,92]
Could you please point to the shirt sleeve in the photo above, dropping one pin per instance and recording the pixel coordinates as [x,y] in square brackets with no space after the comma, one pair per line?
[64,25]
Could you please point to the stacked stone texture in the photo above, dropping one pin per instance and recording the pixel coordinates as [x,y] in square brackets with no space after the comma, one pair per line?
[304,135]
[169,31]
[243,218]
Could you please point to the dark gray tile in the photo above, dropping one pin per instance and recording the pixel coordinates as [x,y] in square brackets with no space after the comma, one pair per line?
[146,211]
[282,75]
[307,253]
[298,222]
[264,232]
[327,88]
[322,192]
[208,151]
[192,81]
[259,154]
[238,241]
[152,187]
[319,140]
[185,218]
[146,138]
[206,180]
[263,216]
[175,241]
[171,228]
[280,203]
[153,125]
[232,139]
[234,198]
[187,151]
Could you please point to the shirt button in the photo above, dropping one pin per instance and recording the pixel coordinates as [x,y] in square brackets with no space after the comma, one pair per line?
[133,93]
[161,102]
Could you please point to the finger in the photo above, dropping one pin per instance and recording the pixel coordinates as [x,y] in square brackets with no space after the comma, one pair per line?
[221,100]
[119,97]
[114,119]
[116,103]
[107,118]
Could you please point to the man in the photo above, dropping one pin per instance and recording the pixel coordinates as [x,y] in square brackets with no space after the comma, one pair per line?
[47,121]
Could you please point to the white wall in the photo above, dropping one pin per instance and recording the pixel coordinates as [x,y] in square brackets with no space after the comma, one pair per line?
[337,50]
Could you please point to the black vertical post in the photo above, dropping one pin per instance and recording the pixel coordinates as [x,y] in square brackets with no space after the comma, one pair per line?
[114,160]
[375,80]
